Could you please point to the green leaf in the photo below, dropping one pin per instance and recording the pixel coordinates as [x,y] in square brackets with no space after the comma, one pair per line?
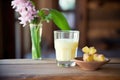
[59,19]
[43,16]
[48,17]
[41,13]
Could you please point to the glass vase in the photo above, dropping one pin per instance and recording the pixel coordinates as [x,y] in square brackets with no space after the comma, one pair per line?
[36,33]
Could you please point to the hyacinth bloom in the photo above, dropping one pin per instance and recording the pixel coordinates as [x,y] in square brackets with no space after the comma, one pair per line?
[26,10]
[35,18]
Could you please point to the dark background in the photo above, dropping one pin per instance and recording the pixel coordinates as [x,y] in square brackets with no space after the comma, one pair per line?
[97,20]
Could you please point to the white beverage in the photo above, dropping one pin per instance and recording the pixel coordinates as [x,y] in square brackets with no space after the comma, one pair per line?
[66,44]
[66,49]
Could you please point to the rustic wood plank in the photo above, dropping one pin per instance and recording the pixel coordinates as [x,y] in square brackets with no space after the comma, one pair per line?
[115,60]
[26,61]
[76,77]
[43,61]
[100,33]
[53,70]
[46,69]
[105,24]
[94,5]
[82,20]
[105,15]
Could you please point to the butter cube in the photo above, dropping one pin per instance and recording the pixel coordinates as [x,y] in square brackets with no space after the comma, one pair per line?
[87,57]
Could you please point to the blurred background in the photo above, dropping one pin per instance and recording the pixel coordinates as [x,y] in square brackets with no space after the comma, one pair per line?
[97,20]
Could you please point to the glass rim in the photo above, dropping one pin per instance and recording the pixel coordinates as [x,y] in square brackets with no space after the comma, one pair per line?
[66,31]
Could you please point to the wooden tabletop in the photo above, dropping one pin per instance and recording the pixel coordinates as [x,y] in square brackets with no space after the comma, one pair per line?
[46,69]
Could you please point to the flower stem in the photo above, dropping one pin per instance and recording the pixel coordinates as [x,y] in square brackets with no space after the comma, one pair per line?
[36,40]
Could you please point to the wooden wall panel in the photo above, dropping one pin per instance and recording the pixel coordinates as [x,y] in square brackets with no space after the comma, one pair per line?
[82,21]
[8,32]
[104,22]
[1,40]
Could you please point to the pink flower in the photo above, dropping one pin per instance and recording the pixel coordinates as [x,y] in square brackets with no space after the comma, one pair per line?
[26,10]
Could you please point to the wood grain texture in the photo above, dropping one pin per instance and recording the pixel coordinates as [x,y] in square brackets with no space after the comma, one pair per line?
[26,69]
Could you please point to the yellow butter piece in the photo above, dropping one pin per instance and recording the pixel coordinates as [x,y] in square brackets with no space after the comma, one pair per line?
[95,57]
[99,57]
[85,49]
[87,57]
[92,50]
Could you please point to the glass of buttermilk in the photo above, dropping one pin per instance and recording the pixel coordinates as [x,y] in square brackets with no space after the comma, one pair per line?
[66,45]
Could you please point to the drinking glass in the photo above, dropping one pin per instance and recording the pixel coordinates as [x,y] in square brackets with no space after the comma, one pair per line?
[66,45]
